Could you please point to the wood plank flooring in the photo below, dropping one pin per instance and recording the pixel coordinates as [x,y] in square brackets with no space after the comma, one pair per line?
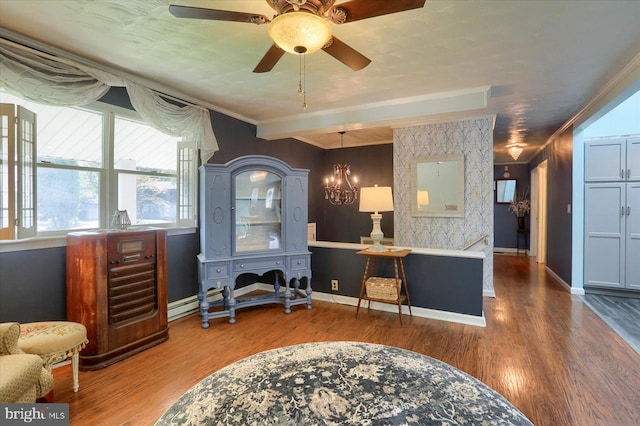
[543,349]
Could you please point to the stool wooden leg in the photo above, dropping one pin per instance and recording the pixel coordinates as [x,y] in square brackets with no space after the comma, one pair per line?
[75,361]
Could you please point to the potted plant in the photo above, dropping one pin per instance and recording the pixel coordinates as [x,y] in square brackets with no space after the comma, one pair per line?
[520,206]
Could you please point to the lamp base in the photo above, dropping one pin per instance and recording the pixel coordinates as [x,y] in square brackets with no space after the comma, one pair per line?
[377,247]
[376,234]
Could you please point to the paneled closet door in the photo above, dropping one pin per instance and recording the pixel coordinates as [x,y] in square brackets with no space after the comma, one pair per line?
[605,214]
[632,275]
[604,161]
[633,160]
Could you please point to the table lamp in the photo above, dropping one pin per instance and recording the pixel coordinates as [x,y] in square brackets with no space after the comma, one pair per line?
[376,199]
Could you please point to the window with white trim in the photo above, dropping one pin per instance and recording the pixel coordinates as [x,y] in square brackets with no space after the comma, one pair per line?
[70,168]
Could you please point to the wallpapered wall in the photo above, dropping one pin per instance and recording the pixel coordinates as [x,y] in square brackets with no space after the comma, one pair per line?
[474,139]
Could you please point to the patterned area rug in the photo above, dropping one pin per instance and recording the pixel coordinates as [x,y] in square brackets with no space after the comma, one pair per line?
[341,383]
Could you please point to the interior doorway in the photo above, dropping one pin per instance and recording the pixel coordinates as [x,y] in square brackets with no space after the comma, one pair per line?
[538,222]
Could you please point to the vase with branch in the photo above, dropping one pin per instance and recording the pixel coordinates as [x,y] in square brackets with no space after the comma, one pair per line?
[520,206]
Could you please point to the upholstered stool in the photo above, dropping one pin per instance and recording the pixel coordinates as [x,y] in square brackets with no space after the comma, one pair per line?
[54,341]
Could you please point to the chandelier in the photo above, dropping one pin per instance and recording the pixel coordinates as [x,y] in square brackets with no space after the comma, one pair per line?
[515,151]
[338,189]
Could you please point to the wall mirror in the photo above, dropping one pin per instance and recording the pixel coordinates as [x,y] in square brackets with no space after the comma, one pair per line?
[505,191]
[437,186]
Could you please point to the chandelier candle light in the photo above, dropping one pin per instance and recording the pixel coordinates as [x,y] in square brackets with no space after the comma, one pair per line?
[338,188]
[376,199]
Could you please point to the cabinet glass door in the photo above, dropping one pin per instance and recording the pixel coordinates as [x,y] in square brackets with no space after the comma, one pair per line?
[258,207]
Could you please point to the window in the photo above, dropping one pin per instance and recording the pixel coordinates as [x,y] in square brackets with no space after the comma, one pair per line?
[65,169]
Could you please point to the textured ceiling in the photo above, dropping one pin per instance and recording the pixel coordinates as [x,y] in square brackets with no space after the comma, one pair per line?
[537,61]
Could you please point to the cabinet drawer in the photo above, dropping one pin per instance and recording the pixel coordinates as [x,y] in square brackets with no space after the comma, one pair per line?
[215,283]
[299,263]
[216,271]
[259,264]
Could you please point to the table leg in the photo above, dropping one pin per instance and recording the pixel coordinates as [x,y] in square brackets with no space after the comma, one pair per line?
[395,270]
[406,288]
[363,284]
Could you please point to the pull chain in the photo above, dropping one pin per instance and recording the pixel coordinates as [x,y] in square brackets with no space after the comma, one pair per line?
[302,80]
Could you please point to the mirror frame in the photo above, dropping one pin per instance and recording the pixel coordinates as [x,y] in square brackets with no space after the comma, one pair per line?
[458,186]
[515,190]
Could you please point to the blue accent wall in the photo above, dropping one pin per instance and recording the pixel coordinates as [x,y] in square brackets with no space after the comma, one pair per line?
[452,284]
[371,165]
[33,285]
[559,156]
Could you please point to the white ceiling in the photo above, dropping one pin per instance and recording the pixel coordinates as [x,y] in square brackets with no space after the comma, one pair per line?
[531,63]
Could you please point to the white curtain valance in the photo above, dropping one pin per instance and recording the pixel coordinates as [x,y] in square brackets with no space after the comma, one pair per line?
[46,81]
[65,83]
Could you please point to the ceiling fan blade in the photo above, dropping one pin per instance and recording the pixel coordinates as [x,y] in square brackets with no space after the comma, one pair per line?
[216,15]
[363,9]
[270,59]
[347,55]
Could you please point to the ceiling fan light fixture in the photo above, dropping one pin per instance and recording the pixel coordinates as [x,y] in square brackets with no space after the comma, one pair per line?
[515,151]
[299,32]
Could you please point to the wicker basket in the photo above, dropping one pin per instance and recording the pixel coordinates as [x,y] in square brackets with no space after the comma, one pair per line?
[383,288]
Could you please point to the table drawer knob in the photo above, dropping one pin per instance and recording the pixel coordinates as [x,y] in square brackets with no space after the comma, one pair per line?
[218,270]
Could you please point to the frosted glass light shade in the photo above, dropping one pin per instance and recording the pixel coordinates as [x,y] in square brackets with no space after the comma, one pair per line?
[376,199]
[299,29]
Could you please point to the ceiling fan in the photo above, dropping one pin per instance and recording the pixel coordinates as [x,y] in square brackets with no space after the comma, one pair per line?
[302,26]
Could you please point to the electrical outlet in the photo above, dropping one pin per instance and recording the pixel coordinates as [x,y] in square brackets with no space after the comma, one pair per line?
[334,285]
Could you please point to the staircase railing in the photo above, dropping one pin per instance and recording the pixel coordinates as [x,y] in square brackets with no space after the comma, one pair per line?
[484,238]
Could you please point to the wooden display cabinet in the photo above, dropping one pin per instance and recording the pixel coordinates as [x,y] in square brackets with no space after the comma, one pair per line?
[254,222]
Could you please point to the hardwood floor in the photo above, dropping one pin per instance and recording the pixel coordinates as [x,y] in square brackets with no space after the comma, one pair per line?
[542,348]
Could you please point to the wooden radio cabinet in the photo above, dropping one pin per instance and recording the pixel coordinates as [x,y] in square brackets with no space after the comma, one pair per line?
[117,288]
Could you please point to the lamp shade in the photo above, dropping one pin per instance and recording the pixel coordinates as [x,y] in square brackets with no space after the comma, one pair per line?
[293,30]
[376,199]
[423,198]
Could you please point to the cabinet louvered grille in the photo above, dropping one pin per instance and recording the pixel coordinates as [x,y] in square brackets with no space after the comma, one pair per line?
[131,282]
[132,292]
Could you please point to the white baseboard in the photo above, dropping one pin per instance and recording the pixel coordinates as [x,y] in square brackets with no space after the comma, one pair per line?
[189,305]
[489,293]
[510,250]
[563,283]
[415,310]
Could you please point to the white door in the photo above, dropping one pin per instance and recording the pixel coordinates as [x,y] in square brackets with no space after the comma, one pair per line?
[604,231]
[533,216]
[538,218]
[541,257]
[632,269]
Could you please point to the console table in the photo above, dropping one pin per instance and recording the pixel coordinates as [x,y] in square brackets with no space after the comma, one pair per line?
[525,234]
[398,267]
